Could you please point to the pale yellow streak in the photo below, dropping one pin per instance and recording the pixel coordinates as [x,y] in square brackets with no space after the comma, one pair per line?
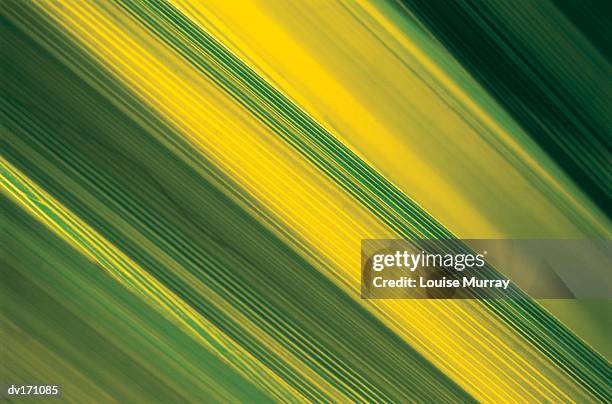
[540,164]
[86,240]
[279,58]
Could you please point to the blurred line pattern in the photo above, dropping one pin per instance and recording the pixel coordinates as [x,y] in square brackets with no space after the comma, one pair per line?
[186,185]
